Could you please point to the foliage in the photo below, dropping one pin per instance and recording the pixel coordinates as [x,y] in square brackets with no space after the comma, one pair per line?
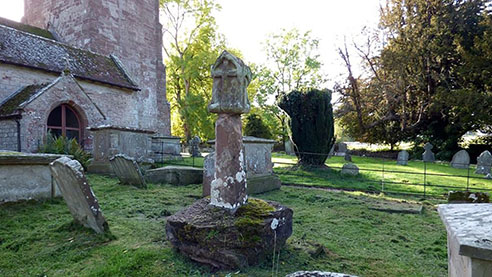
[65,146]
[311,122]
[428,75]
[256,127]
[42,235]
[192,45]
[292,63]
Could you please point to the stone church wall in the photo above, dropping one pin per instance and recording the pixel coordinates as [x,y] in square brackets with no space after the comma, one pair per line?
[8,135]
[14,77]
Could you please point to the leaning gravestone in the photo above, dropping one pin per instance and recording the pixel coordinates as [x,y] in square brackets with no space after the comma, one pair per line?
[428,155]
[402,158]
[461,159]
[484,163]
[78,195]
[239,235]
[127,170]
[195,147]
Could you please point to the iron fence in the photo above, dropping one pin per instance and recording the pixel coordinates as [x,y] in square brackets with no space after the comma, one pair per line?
[380,175]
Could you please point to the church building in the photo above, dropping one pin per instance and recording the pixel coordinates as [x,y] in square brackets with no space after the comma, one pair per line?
[86,69]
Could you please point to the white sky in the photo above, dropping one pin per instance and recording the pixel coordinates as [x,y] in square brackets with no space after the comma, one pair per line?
[246,23]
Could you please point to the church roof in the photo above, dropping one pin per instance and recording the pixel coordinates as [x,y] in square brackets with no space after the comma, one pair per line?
[10,105]
[19,46]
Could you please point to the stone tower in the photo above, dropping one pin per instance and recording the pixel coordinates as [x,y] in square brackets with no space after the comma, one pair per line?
[127,29]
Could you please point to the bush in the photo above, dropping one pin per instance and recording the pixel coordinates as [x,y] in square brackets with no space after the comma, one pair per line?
[311,123]
[256,127]
[63,145]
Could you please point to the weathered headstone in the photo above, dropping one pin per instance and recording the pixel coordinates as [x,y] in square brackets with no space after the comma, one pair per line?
[289,148]
[341,149]
[195,147]
[461,159]
[484,163]
[428,155]
[348,157]
[402,158]
[127,170]
[350,169]
[77,193]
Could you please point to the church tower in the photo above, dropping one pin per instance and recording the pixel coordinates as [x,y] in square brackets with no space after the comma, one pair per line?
[127,29]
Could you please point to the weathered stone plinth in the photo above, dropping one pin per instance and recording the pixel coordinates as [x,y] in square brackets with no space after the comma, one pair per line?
[216,237]
[175,175]
[469,238]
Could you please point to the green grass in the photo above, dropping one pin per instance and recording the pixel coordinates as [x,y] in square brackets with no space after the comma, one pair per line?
[371,175]
[332,231]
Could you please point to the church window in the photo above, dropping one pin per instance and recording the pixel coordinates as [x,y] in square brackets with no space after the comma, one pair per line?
[64,121]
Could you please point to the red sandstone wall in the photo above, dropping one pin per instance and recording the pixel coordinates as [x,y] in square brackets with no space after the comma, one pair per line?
[126,28]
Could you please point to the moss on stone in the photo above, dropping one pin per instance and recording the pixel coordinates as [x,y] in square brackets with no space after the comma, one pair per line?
[27,28]
[22,95]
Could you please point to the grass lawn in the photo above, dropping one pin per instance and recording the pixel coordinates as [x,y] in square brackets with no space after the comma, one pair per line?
[396,177]
[333,231]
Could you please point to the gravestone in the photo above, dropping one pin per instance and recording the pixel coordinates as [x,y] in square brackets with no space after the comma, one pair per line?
[78,195]
[428,155]
[461,159]
[348,157]
[240,236]
[484,163]
[127,170]
[350,169]
[195,147]
[289,148]
[341,149]
[402,158]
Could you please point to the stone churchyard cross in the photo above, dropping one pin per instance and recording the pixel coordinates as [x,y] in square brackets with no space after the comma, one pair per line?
[231,77]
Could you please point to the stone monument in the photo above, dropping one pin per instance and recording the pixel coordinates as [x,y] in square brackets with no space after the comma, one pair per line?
[341,149]
[484,163]
[350,169]
[195,147]
[243,230]
[78,195]
[402,158]
[461,159]
[428,155]
[469,238]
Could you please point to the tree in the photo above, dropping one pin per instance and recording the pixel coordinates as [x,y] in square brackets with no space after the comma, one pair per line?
[256,127]
[192,46]
[427,82]
[311,122]
[293,63]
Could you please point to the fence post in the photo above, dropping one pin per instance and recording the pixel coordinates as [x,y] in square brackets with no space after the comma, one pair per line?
[425,177]
[468,179]
[382,180]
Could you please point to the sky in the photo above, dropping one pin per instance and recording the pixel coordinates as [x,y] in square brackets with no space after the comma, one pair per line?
[246,24]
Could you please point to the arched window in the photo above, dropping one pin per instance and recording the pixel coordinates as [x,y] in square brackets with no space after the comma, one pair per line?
[64,121]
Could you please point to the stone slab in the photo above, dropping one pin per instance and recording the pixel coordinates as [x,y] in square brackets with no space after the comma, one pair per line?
[471,226]
[318,274]
[78,195]
[350,169]
[25,176]
[460,160]
[175,175]
[402,158]
[262,183]
[397,207]
[484,163]
[127,170]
